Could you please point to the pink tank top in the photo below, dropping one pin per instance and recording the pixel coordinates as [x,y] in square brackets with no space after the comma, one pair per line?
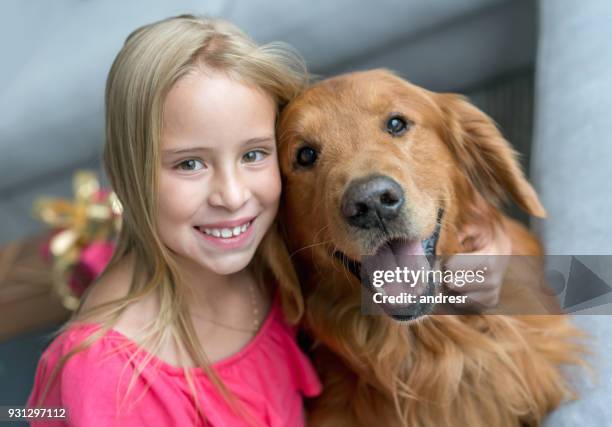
[269,376]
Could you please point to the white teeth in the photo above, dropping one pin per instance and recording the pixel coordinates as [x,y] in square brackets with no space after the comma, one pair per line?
[226,233]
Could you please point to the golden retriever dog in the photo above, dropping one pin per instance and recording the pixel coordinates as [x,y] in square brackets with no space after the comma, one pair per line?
[370,160]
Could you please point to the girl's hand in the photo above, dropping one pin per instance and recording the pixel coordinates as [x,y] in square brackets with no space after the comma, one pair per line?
[490,252]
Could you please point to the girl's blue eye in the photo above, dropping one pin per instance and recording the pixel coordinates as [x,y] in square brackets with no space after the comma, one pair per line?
[191,165]
[254,156]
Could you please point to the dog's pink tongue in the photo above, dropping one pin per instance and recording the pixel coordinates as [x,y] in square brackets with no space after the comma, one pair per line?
[407,249]
[403,258]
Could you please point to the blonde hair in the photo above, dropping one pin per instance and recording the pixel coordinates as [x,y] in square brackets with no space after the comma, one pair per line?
[153,58]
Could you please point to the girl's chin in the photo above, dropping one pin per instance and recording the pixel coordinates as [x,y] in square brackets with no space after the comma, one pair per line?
[226,264]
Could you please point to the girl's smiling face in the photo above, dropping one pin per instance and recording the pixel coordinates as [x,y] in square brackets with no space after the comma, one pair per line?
[219,182]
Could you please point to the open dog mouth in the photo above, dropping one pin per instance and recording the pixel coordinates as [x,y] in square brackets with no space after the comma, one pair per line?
[399,254]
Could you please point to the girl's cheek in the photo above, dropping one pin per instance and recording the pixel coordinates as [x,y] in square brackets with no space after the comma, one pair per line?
[271,184]
[178,198]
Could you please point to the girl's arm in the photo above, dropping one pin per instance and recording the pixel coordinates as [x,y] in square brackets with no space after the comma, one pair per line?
[494,246]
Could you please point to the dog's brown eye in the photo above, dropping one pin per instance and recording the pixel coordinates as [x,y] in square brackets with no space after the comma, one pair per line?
[306,156]
[396,126]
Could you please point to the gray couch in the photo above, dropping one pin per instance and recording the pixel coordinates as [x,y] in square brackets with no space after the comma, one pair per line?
[571,155]
[534,65]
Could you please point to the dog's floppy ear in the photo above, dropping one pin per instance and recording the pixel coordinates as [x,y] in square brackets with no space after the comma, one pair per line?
[488,160]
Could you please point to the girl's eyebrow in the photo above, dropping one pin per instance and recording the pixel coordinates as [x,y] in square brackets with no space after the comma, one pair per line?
[247,143]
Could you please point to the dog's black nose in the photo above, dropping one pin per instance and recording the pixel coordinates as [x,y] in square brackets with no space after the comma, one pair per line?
[369,202]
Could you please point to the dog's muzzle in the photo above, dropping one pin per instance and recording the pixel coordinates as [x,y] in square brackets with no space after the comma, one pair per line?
[402,250]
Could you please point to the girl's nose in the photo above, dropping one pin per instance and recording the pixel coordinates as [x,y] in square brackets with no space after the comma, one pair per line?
[230,191]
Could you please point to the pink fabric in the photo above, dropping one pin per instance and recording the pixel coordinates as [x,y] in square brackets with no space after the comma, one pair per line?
[269,376]
[93,260]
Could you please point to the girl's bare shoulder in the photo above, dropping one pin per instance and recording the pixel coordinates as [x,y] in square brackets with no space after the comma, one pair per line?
[112,287]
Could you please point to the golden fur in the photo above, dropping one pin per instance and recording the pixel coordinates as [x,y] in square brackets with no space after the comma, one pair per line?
[440,370]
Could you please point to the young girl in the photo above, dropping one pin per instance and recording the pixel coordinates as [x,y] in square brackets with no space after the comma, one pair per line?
[185,326]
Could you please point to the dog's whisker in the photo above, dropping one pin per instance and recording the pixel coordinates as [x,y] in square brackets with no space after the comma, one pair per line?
[345,267]
[320,231]
[342,261]
[309,247]
[335,248]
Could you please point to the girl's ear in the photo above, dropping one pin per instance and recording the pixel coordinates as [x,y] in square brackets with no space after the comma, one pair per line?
[276,255]
[486,158]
